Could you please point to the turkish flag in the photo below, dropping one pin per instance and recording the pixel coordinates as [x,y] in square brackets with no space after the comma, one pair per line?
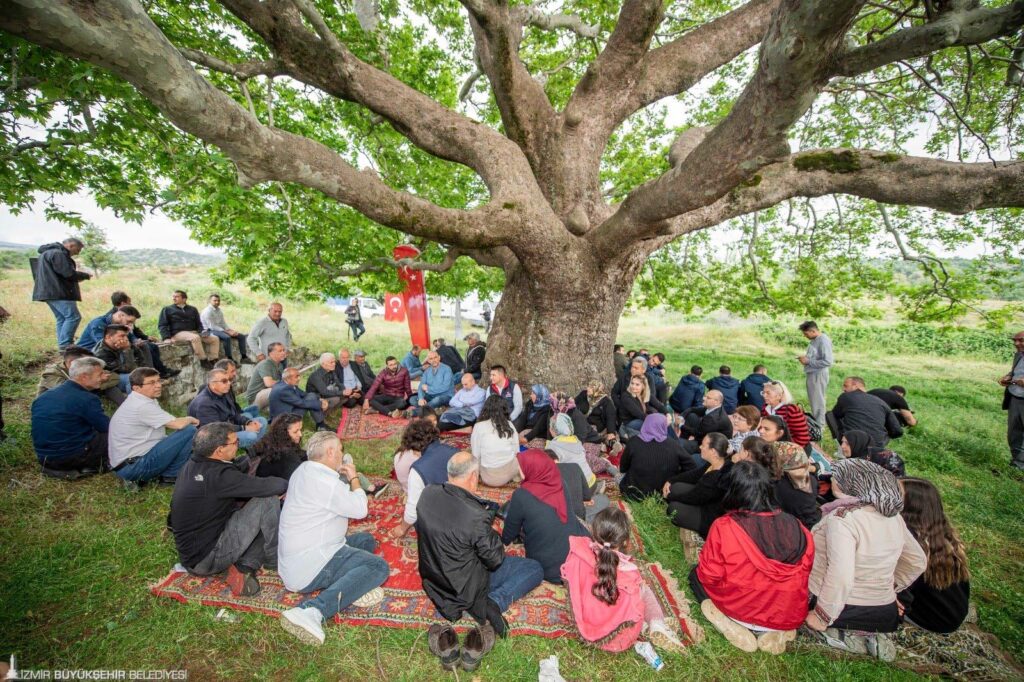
[414,296]
[394,308]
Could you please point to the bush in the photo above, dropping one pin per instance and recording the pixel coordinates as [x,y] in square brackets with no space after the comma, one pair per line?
[907,337]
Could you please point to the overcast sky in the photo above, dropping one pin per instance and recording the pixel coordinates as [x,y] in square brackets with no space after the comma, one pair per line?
[156,232]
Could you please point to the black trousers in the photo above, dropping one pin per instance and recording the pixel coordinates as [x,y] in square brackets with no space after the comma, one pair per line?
[386,404]
[93,456]
[885,618]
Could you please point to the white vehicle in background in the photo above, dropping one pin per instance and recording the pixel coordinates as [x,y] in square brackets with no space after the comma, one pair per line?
[472,309]
[368,307]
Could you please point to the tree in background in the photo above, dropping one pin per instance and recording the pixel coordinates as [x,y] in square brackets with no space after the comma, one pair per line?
[563,154]
[97,254]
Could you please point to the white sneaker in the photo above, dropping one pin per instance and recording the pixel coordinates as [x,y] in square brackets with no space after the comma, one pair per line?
[371,598]
[306,624]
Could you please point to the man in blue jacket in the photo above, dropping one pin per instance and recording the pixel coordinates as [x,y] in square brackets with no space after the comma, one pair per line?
[69,427]
[689,391]
[436,384]
[727,384]
[57,284]
[287,398]
[216,403]
[751,387]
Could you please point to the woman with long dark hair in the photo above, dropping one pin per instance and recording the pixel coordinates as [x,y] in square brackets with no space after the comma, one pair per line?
[280,452]
[610,601]
[865,554]
[417,436]
[751,578]
[773,429]
[938,599]
[695,496]
[495,443]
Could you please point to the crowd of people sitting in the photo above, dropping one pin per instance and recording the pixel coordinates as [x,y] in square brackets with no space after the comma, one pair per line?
[845,545]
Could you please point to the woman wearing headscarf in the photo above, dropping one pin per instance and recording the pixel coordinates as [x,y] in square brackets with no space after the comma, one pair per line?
[599,409]
[864,555]
[795,487]
[533,422]
[561,403]
[568,447]
[651,458]
[538,514]
[857,444]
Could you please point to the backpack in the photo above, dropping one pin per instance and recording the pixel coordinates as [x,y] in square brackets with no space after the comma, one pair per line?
[813,427]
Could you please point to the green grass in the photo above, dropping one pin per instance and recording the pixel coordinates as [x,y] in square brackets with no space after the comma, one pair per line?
[78,557]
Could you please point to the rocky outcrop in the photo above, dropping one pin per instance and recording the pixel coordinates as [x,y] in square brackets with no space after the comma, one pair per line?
[181,389]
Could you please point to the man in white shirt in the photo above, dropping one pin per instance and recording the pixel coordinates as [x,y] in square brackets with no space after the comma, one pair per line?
[138,447]
[214,322]
[314,552]
[269,330]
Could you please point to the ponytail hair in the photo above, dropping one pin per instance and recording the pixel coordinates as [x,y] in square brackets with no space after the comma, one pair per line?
[610,530]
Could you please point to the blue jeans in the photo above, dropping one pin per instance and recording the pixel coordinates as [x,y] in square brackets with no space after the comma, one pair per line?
[352,572]
[124,384]
[225,343]
[68,318]
[246,439]
[459,416]
[251,411]
[631,428]
[514,579]
[433,402]
[165,458]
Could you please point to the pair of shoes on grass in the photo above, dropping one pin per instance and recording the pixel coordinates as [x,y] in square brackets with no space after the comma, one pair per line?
[874,644]
[772,641]
[307,624]
[444,643]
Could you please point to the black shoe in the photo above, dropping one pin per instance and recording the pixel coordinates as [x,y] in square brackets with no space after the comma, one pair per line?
[478,642]
[496,619]
[444,643]
[206,364]
[167,481]
[380,490]
[170,373]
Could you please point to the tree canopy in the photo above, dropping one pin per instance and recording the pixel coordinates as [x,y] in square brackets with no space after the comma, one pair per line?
[307,138]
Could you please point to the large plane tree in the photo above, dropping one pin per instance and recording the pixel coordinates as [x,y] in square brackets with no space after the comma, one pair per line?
[309,137]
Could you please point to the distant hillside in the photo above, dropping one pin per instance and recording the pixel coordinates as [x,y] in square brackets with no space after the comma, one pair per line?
[164,257]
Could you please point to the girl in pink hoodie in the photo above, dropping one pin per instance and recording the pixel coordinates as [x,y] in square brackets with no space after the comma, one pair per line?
[611,604]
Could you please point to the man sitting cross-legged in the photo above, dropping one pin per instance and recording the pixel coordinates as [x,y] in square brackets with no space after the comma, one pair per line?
[216,403]
[69,428]
[314,552]
[435,385]
[465,406]
[390,392]
[286,396]
[463,565]
[212,533]
[139,449]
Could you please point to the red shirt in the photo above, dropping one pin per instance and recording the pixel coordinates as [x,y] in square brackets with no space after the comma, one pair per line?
[796,422]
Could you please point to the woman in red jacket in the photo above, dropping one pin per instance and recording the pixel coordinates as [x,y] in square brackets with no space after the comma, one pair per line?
[751,579]
[779,401]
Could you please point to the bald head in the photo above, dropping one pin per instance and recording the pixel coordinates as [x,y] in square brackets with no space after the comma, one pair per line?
[464,470]
[713,399]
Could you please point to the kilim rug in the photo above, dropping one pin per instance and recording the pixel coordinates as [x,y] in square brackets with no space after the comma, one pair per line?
[355,425]
[544,612]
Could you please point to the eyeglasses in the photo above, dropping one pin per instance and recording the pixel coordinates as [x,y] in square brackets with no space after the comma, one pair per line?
[151,383]
[221,381]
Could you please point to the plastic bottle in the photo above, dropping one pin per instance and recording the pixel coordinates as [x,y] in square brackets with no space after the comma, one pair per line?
[649,654]
[549,670]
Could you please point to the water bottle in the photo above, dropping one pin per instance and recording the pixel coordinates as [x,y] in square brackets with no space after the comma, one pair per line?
[649,654]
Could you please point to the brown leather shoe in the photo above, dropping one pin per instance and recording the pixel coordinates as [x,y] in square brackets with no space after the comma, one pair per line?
[444,643]
[478,642]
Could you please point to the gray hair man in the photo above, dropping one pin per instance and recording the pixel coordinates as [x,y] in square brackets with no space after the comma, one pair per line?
[268,330]
[211,532]
[324,382]
[57,280]
[462,560]
[69,427]
[316,553]
[287,398]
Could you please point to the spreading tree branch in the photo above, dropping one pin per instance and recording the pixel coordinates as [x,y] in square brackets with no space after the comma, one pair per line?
[952,28]
[123,39]
[240,70]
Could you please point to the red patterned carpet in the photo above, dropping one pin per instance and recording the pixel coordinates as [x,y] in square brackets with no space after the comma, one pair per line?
[544,612]
[355,425]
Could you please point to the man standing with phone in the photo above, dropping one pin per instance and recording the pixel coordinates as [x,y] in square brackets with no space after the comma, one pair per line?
[1013,402]
[816,362]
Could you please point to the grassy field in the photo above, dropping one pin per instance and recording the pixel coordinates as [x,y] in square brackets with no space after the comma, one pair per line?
[78,557]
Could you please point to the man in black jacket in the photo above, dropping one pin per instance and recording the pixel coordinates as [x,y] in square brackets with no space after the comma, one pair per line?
[211,532]
[450,356]
[462,560]
[141,340]
[324,382]
[363,371]
[858,410]
[216,403]
[180,323]
[118,359]
[475,355]
[700,421]
[56,283]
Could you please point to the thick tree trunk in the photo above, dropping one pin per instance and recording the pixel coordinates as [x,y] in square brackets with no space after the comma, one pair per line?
[546,331]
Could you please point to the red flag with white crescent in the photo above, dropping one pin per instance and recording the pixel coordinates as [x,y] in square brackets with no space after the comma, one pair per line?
[394,308]
[414,296]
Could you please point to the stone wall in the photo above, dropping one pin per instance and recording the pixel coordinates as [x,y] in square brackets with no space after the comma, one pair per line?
[181,389]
